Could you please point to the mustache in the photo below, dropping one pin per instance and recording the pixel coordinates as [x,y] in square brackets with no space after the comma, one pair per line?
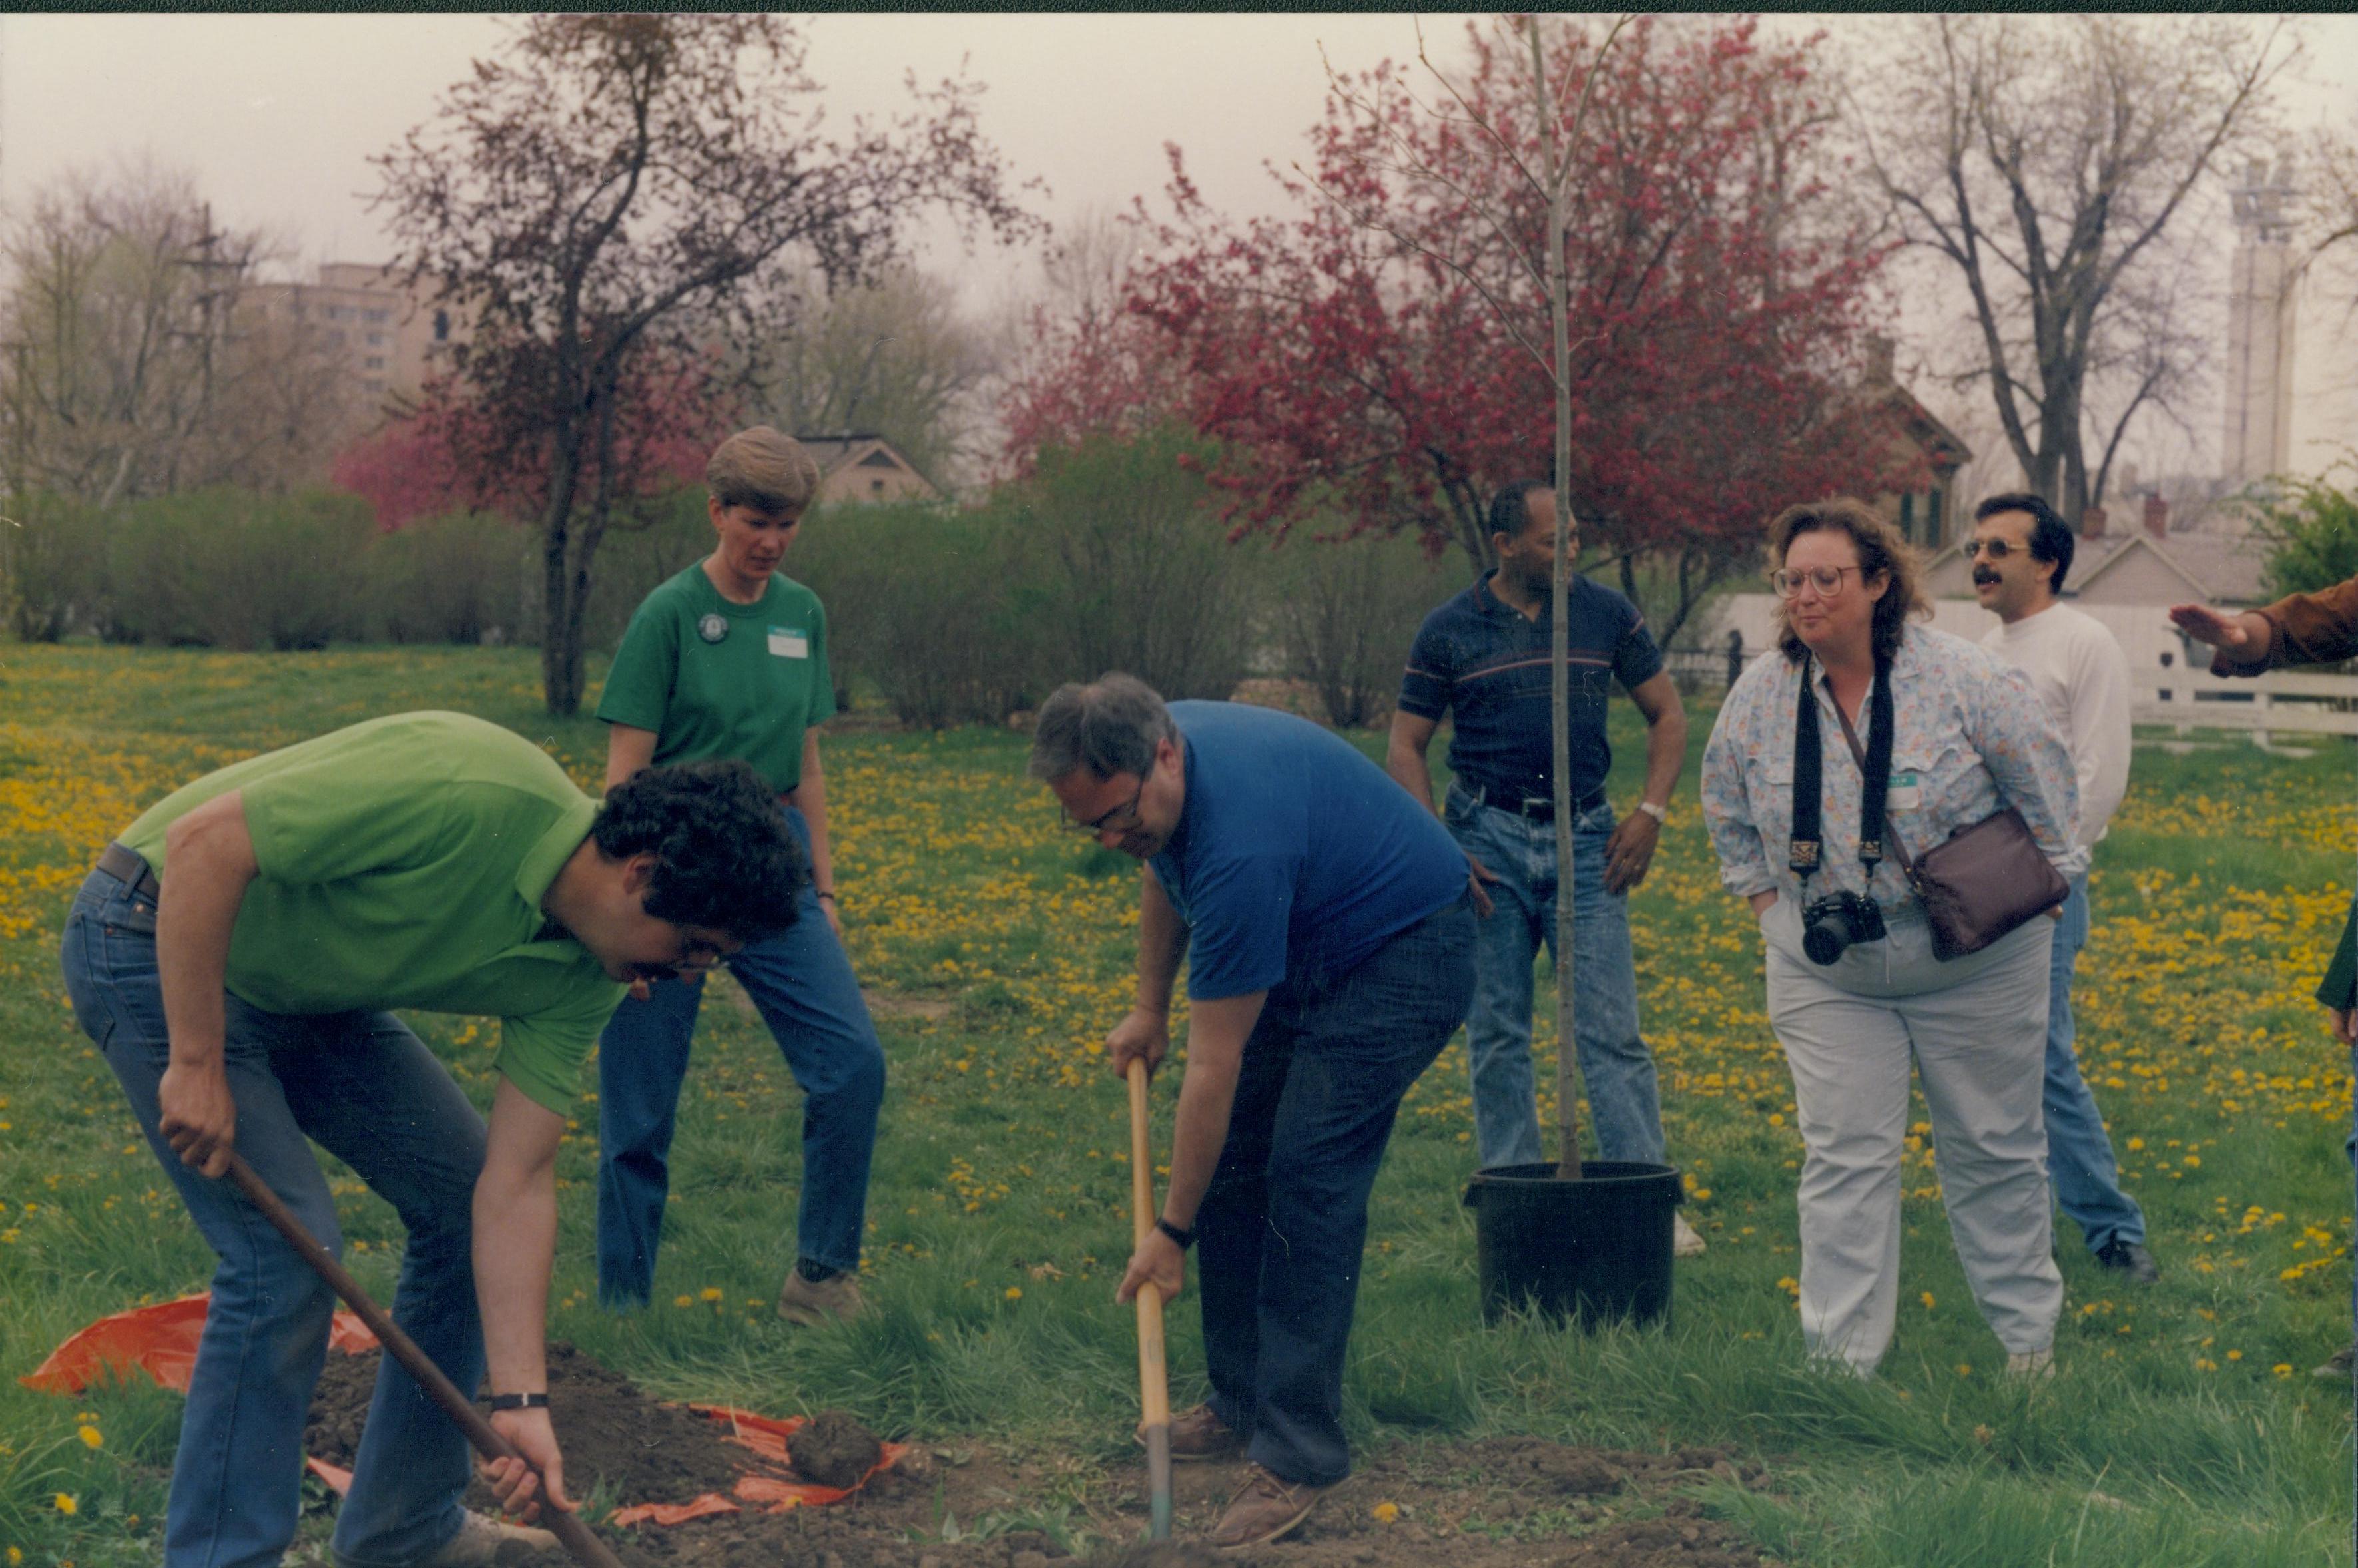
[1984,575]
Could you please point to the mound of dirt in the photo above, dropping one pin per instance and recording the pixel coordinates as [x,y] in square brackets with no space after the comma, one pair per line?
[834,1450]
[644,1450]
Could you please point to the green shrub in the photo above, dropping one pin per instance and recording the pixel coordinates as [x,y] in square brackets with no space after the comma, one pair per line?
[1121,561]
[235,570]
[1347,612]
[2312,529]
[455,578]
[52,567]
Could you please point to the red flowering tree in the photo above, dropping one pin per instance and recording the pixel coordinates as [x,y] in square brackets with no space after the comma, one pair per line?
[1386,347]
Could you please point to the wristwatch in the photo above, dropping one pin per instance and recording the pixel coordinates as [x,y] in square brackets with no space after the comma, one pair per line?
[1658,813]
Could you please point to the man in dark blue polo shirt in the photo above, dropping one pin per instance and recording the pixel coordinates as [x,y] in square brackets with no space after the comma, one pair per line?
[1331,957]
[1486,656]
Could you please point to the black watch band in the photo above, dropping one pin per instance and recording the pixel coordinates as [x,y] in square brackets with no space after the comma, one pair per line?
[1185,1238]
[519,1402]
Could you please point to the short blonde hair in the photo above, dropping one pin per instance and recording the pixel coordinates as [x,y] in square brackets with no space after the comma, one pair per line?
[764,469]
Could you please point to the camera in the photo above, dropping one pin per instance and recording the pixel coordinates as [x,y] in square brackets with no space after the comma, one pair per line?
[1830,924]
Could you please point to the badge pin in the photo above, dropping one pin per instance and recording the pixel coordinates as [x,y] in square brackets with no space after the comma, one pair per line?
[712,628]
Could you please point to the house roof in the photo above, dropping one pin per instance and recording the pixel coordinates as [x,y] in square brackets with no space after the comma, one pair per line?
[1943,446]
[855,448]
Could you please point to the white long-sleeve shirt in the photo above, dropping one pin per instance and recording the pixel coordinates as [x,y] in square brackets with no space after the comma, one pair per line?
[2081,678]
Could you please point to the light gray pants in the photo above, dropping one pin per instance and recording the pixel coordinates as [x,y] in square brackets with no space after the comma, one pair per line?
[1978,1029]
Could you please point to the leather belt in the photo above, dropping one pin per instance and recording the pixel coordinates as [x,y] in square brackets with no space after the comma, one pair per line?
[1536,808]
[128,867]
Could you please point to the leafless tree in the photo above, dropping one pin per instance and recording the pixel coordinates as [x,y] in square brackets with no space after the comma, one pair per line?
[137,356]
[897,357]
[2053,163]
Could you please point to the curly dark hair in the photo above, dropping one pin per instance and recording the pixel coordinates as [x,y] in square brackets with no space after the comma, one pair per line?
[1882,553]
[726,858]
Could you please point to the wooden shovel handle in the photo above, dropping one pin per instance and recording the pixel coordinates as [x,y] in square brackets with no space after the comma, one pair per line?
[574,1535]
[1154,1377]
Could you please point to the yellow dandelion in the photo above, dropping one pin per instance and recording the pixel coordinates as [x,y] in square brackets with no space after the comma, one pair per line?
[1387,1513]
[683,1301]
[67,1504]
[90,1436]
[711,1293]
[1014,1292]
[1927,1299]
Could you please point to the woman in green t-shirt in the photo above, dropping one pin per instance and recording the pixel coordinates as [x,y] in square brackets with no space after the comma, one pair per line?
[729,659]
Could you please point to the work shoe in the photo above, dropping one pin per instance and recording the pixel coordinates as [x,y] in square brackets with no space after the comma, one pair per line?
[1264,1508]
[478,1544]
[1684,1242]
[2128,1258]
[2336,1367]
[1200,1437]
[811,1302]
[2030,1364]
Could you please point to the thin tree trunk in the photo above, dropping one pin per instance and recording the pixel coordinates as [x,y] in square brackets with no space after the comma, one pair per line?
[1568,1083]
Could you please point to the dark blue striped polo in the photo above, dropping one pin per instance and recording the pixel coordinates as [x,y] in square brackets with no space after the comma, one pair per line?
[1481,659]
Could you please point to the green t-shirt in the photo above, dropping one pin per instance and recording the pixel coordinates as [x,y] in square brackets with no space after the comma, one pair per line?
[403,862]
[714,678]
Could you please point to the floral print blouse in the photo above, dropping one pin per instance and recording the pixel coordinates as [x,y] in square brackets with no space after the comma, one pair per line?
[1971,738]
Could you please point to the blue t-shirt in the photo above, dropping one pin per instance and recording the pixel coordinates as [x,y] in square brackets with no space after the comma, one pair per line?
[1295,857]
[1484,659]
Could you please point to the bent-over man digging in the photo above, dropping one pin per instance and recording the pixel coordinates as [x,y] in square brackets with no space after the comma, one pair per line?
[233,955]
[1331,951]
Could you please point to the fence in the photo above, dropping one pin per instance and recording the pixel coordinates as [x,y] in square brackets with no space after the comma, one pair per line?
[2287,700]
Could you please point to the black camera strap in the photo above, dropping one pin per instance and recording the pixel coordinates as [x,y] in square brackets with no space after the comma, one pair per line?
[1807,844]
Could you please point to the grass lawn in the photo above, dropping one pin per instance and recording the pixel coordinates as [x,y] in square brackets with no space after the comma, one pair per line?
[2183,1428]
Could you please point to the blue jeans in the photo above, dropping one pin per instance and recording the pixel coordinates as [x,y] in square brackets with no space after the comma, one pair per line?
[1282,1227]
[802,981]
[370,1093]
[2079,1159]
[1614,1063]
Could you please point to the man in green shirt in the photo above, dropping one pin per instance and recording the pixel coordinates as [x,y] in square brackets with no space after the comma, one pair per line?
[233,956]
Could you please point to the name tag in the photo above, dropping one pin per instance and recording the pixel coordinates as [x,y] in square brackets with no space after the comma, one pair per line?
[788,643]
[1907,792]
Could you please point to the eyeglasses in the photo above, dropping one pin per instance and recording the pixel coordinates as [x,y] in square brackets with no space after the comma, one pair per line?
[1827,581]
[1996,549]
[1120,819]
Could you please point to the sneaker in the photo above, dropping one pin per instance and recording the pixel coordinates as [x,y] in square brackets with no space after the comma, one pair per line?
[478,1544]
[2030,1364]
[2336,1367]
[2128,1258]
[1266,1506]
[1684,1242]
[1199,1437]
[811,1302]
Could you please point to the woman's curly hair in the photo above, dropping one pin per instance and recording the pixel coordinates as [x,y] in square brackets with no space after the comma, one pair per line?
[725,857]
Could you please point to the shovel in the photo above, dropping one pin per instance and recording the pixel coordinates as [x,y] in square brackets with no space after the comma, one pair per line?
[1154,1377]
[574,1535]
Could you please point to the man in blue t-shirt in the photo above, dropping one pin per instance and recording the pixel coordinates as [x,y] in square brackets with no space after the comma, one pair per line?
[1486,656]
[1331,957]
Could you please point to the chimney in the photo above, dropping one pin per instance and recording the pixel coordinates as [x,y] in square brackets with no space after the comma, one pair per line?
[1879,360]
[2092,522]
[2157,514]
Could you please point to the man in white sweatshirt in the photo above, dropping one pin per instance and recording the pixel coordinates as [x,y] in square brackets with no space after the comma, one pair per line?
[2020,551]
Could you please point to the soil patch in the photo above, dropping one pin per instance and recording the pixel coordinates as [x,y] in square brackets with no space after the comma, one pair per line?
[1505,1503]
[834,1450]
[1511,1503]
[643,1451]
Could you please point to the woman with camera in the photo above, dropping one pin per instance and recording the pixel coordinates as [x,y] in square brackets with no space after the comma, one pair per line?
[1894,806]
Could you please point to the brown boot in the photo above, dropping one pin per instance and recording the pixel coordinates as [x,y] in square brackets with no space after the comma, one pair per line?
[1199,1437]
[1265,1508]
[812,1302]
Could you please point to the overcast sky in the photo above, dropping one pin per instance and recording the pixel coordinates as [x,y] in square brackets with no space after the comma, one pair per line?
[276,116]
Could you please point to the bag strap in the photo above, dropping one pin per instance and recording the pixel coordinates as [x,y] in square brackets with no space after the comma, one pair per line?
[1858,754]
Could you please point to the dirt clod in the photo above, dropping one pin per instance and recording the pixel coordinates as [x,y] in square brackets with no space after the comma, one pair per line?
[834,1450]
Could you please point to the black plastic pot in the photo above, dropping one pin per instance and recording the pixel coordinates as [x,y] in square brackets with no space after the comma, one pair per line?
[1596,1250]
